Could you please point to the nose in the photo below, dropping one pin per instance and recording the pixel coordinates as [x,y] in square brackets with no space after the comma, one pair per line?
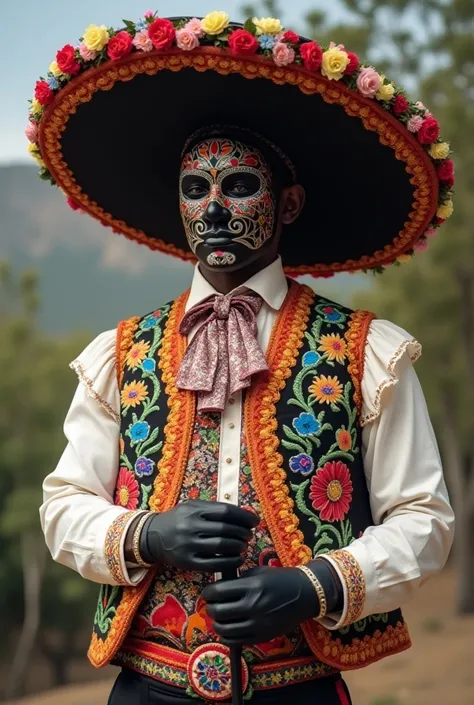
[216,213]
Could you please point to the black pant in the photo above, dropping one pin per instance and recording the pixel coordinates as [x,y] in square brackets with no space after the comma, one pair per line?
[134,689]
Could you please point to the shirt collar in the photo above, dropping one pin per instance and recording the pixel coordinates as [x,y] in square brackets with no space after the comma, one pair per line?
[270,283]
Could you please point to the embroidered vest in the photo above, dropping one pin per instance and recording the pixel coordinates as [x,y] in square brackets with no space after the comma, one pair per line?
[304,447]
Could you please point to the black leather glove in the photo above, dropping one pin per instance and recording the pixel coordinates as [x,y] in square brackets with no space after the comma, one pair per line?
[208,537]
[266,603]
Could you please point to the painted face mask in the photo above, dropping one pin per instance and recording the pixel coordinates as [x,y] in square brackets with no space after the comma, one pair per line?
[226,200]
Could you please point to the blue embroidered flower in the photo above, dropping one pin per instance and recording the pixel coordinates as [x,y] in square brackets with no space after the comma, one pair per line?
[310,358]
[140,431]
[306,424]
[331,314]
[151,321]
[302,463]
[53,83]
[149,365]
[144,467]
[267,41]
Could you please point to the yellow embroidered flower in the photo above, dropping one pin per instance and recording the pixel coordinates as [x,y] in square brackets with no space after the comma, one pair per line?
[327,390]
[334,347]
[137,354]
[36,106]
[386,90]
[446,210]
[439,150]
[267,25]
[95,38]
[403,259]
[54,69]
[215,22]
[133,394]
[335,62]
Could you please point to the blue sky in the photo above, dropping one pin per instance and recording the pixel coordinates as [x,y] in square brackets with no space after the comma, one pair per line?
[32,31]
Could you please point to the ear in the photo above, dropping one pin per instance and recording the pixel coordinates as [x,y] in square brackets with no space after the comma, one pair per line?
[291,203]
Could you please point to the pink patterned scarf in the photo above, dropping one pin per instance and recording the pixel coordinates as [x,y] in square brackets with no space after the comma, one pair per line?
[224,353]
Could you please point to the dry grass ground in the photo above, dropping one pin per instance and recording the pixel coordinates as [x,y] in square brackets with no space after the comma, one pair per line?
[438,670]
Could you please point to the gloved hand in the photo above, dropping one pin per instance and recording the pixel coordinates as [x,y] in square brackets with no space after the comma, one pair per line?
[208,537]
[262,604]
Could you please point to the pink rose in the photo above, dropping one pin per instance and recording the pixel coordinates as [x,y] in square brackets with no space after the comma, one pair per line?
[142,41]
[186,40]
[195,27]
[283,54]
[87,54]
[31,131]
[421,245]
[430,232]
[414,123]
[368,82]
[148,13]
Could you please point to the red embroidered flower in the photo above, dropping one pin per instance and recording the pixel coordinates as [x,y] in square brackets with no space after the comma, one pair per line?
[119,46]
[353,64]
[193,493]
[429,131]
[161,33]
[169,616]
[66,60]
[331,491]
[242,43]
[312,55]
[291,37]
[127,493]
[446,170]
[400,105]
[43,93]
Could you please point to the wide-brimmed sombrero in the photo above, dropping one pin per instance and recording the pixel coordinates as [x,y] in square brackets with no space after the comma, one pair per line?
[109,121]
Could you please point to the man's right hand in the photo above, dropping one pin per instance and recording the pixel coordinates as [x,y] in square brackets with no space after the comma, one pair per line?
[209,537]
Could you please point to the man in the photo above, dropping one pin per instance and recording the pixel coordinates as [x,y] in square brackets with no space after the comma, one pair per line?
[250,425]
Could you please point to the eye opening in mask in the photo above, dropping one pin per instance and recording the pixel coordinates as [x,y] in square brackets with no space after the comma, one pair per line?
[249,182]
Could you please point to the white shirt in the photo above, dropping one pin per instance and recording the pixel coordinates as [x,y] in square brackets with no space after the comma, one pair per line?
[413,521]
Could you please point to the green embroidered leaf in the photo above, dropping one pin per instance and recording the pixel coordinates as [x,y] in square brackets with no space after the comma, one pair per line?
[292,446]
[155,449]
[141,447]
[146,492]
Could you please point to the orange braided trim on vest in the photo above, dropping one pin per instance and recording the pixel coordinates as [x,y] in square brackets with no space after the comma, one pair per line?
[356,338]
[175,450]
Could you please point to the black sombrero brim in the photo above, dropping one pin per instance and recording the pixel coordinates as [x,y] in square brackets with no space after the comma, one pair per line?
[113,136]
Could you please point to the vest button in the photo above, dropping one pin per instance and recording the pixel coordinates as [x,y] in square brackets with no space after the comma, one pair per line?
[227,496]
[228,461]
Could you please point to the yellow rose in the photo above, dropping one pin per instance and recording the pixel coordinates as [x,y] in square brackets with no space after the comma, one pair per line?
[386,90]
[32,148]
[267,25]
[36,106]
[439,150]
[55,70]
[215,22]
[403,259]
[334,63]
[36,154]
[446,210]
[95,38]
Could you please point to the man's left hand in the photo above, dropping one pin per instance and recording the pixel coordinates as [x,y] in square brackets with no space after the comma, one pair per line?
[261,605]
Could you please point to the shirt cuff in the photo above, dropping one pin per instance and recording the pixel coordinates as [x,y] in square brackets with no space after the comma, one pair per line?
[356,572]
[110,551]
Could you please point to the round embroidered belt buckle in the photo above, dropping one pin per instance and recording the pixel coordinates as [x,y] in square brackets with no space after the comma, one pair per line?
[209,672]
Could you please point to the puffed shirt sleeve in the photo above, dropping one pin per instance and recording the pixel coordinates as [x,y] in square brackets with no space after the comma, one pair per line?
[83,528]
[413,521]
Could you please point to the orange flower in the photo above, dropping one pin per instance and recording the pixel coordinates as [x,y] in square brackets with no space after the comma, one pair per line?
[137,354]
[327,390]
[334,347]
[134,394]
[344,439]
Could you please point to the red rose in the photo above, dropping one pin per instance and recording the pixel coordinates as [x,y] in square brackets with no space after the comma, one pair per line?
[66,60]
[353,64]
[119,46]
[400,105]
[161,33]
[43,93]
[73,204]
[242,43]
[446,170]
[312,55]
[291,37]
[429,131]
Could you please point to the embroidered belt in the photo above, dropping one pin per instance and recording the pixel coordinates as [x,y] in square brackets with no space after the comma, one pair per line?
[206,672]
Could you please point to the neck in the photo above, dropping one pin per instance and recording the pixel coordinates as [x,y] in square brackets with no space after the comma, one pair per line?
[225,282]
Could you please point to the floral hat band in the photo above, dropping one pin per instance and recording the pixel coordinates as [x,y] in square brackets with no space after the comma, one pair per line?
[349,129]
